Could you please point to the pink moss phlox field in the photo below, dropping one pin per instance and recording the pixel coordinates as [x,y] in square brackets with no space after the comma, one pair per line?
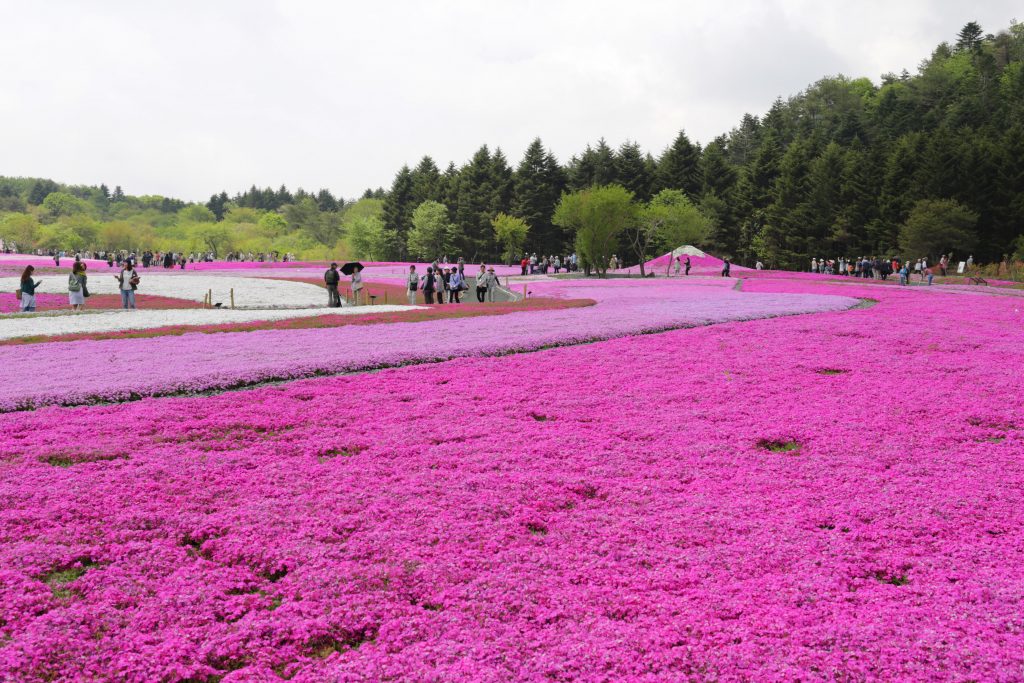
[89,371]
[9,302]
[836,496]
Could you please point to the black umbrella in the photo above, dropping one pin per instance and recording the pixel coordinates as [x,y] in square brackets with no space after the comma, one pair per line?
[351,267]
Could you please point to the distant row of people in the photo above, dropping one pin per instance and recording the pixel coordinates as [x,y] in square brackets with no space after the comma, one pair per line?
[879,268]
[532,265]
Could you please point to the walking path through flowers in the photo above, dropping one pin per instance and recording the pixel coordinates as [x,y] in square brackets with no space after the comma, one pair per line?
[835,495]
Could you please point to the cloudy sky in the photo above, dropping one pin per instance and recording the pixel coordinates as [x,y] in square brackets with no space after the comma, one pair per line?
[186,98]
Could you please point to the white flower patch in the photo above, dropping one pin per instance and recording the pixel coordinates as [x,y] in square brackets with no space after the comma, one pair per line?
[30,325]
[250,292]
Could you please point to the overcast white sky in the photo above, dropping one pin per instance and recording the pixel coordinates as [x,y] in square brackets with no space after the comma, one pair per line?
[184,98]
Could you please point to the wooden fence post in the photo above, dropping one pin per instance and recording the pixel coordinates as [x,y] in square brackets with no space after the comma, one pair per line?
[524,291]
[232,297]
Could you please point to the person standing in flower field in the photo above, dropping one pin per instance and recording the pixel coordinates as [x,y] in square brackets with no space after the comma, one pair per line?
[429,284]
[444,286]
[127,283]
[490,284]
[76,286]
[27,290]
[455,284]
[481,287]
[679,265]
[331,279]
[412,283]
[357,287]
[725,268]
[687,264]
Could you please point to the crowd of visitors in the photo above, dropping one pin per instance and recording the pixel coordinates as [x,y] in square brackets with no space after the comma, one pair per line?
[532,265]
[445,284]
[880,269]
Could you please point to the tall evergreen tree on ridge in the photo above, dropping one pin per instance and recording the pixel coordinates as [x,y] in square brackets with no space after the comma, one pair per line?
[398,207]
[538,184]
[679,167]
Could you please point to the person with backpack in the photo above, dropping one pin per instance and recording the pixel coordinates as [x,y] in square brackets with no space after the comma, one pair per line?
[27,290]
[413,282]
[76,286]
[331,279]
[127,283]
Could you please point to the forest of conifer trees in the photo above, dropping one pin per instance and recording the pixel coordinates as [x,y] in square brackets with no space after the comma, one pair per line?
[836,170]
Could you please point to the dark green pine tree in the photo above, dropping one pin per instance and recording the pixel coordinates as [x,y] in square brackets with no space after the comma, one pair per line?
[473,201]
[969,38]
[502,183]
[399,204]
[118,195]
[980,188]
[604,164]
[679,167]
[426,181]
[788,215]
[283,196]
[217,204]
[632,172]
[939,175]
[718,184]
[824,202]
[900,187]
[717,174]
[860,185]
[449,189]
[580,172]
[754,192]
[1010,203]
[538,185]
[42,189]
[744,141]
[325,201]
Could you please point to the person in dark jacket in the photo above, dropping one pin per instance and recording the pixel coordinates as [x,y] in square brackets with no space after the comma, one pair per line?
[725,268]
[331,278]
[28,290]
[429,285]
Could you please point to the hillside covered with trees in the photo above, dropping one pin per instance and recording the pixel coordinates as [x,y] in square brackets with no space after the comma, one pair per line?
[845,168]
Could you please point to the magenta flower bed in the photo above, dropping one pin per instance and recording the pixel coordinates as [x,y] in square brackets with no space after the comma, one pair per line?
[89,371]
[825,497]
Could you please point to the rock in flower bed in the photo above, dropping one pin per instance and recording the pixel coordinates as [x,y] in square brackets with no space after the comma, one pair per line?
[827,497]
[89,371]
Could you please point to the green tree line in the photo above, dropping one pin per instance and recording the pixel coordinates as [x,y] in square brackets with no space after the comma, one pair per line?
[927,162]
